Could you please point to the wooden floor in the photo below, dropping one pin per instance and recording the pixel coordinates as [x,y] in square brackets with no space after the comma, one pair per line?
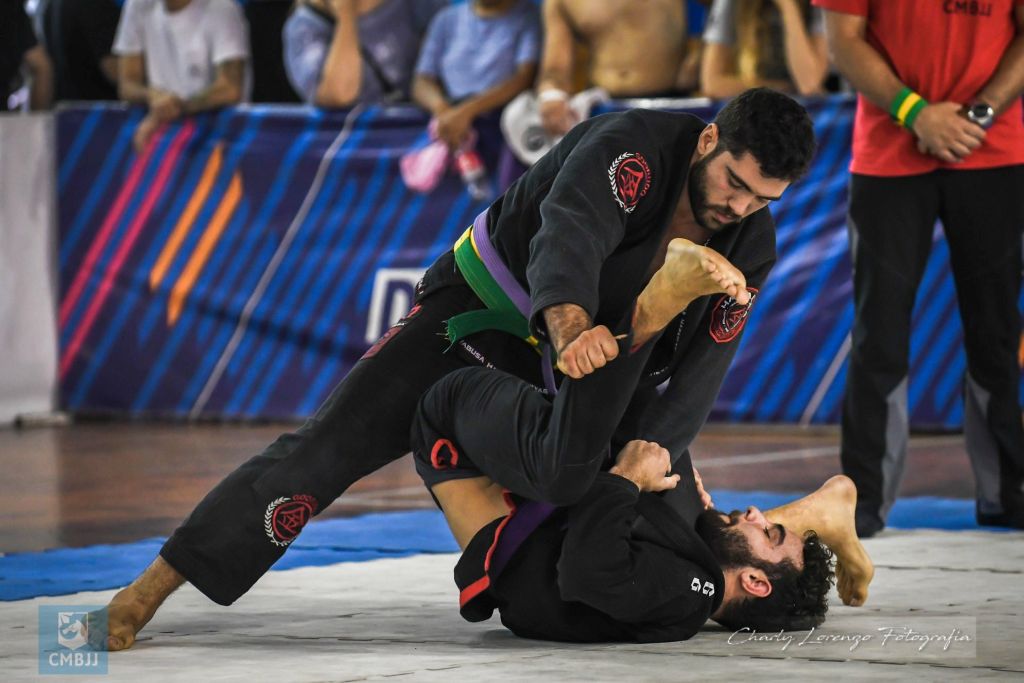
[116,482]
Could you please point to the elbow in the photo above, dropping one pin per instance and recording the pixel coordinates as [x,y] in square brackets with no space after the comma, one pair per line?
[232,94]
[336,98]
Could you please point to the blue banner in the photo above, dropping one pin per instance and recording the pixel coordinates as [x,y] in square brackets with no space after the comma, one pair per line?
[242,263]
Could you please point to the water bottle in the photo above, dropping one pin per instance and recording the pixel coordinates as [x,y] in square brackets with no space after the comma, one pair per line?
[474,175]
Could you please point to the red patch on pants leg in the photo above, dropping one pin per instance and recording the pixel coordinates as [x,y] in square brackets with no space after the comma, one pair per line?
[441,460]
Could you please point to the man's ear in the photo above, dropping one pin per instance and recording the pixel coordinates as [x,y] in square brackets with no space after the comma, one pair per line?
[755,582]
[708,139]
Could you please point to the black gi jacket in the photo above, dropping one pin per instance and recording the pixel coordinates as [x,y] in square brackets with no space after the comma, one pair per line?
[594,572]
[583,226]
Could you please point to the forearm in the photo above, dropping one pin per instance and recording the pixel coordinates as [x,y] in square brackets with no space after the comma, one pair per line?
[718,74]
[806,66]
[688,76]
[500,94]
[553,78]
[866,70]
[427,93]
[135,92]
[221,93]
[342,75]
[557,60]
[41,91]
[565,322]
[722,86]
[1007,84]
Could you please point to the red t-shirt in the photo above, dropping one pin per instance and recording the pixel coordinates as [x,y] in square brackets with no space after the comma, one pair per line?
[945,50]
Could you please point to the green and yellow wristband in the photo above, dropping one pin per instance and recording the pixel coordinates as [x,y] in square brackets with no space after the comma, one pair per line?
[906,106]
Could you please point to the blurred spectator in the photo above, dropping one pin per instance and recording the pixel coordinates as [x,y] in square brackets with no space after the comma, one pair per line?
[476,57]
[79,35]
[340,52]
[20,56]
[637,49]
[180,57]
[774,43]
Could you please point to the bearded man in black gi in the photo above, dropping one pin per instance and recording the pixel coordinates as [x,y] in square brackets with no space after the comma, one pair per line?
[536,282]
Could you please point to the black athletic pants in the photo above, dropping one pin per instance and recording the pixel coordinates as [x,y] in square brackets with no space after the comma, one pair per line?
[891,222]
[245,524]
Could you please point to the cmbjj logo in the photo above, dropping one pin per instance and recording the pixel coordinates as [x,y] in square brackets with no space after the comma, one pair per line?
[707,588]
[65,636]
[393,292]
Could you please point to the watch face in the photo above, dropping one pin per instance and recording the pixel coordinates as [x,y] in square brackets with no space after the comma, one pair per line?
[982,114]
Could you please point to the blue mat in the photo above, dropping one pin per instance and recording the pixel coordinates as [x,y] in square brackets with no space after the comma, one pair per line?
[369,537]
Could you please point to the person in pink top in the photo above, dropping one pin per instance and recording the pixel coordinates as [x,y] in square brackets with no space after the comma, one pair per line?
[939,135]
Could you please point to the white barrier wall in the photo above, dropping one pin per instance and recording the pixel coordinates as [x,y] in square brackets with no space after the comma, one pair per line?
[28,281]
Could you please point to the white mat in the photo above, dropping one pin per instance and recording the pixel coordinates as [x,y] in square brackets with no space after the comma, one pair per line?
[398,618]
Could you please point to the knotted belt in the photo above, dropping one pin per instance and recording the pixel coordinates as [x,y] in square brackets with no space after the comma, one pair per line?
[508,304]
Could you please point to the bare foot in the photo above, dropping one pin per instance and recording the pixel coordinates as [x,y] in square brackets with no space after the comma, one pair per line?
[829,511]
[690,271]
[133,606]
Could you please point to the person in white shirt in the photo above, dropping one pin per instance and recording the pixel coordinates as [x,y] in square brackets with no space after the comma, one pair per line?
[180,57]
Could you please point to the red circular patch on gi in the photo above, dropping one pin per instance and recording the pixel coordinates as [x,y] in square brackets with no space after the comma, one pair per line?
[443,455]
[289,516]
[630,177]
[729,317]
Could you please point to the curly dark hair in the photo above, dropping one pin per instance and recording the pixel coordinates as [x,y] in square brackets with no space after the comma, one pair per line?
[799,599]
[773,127]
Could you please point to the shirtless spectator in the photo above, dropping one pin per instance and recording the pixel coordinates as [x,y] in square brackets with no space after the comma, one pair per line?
[635,49]
[180,57]
[338,53]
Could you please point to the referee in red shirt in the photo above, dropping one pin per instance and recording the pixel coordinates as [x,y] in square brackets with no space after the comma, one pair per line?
[939,134]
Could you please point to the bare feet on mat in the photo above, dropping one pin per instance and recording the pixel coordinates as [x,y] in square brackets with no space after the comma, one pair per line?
[690,271]
[132,607]
[829,512]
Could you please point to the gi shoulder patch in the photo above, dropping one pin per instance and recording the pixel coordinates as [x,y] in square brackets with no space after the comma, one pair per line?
[630,179]
[728,317]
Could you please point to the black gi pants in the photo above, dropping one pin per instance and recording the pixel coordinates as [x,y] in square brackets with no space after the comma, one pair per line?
[891,222]
[537,448]
[246,522]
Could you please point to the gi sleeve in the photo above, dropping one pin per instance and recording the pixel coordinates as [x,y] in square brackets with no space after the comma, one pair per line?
[602,566]
[602,182]
[676,417]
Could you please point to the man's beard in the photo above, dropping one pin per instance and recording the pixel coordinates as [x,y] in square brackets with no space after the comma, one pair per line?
[697,187]
[727,543]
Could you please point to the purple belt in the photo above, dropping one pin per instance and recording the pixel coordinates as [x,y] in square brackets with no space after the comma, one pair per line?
[524,521]
[513,290]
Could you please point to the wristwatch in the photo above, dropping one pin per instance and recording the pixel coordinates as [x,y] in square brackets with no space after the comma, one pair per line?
[980,113]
